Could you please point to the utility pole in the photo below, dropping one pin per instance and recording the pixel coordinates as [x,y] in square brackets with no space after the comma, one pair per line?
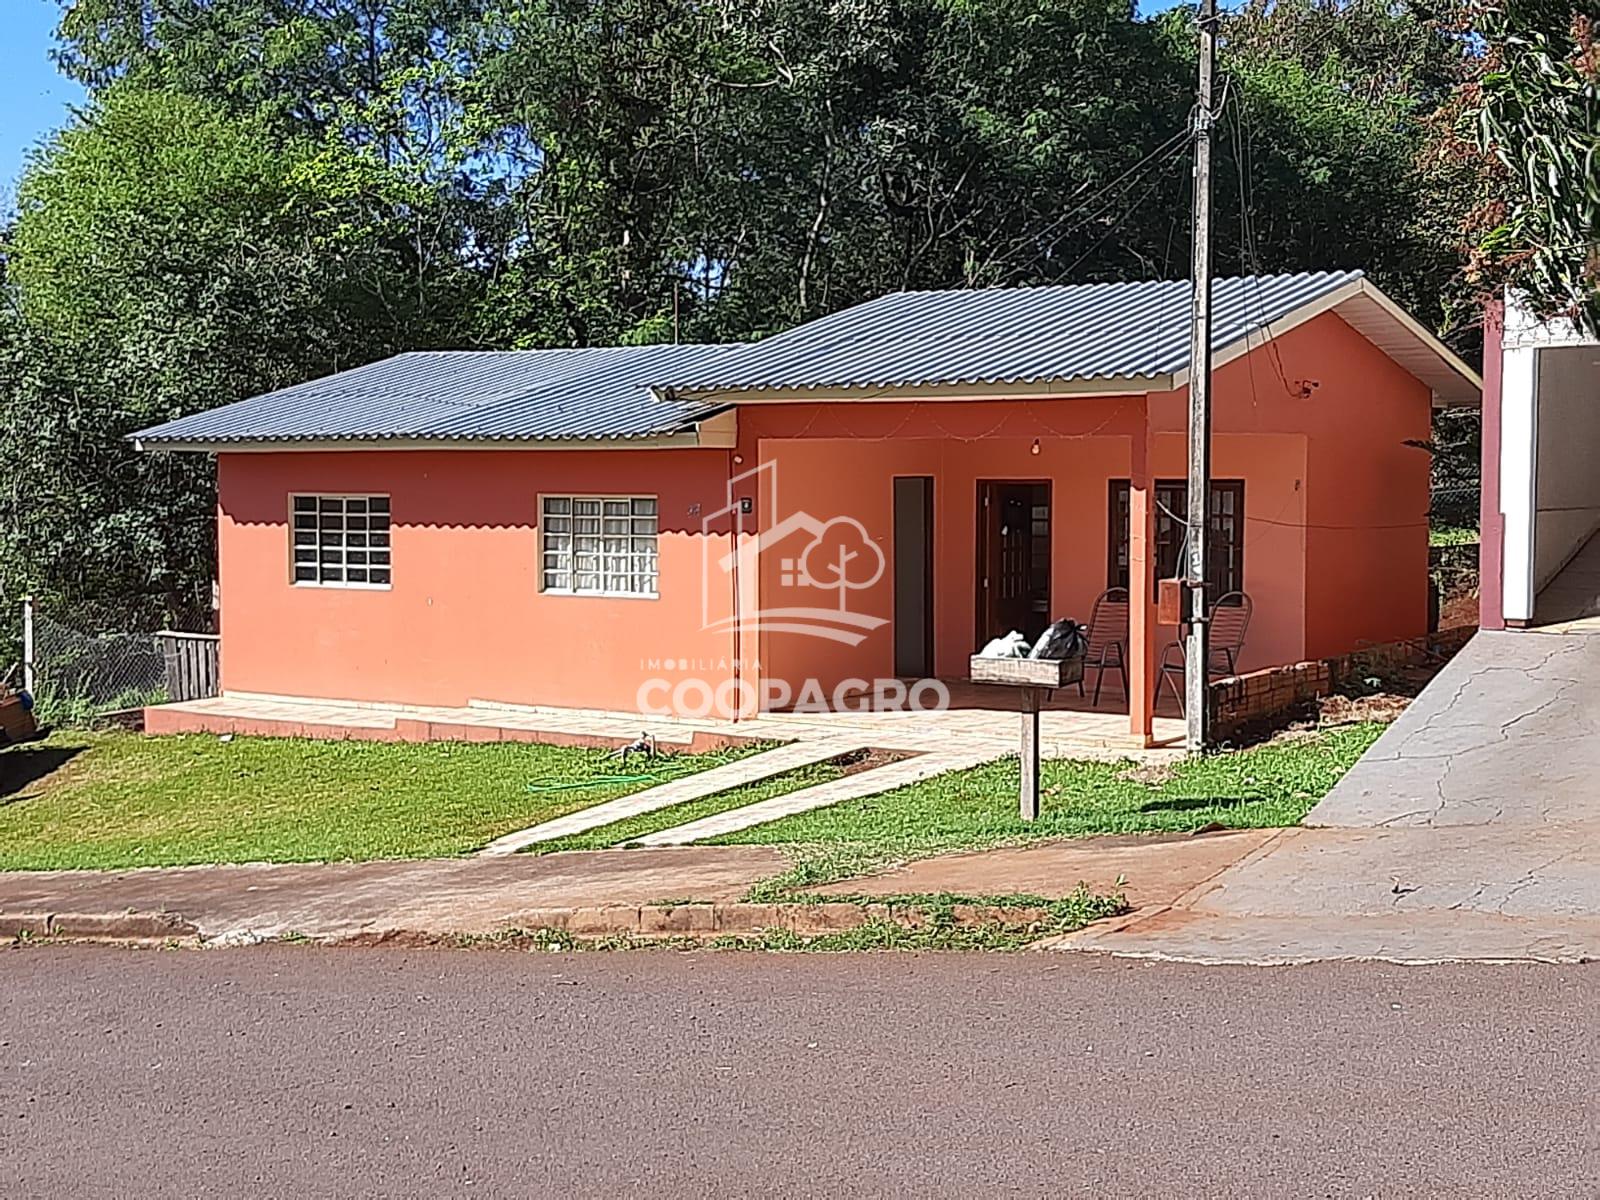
[1197,651]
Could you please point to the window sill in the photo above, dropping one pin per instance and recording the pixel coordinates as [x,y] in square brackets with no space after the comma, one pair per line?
[600,595]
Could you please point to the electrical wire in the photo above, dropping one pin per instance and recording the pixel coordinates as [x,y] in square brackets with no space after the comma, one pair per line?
[1167,156]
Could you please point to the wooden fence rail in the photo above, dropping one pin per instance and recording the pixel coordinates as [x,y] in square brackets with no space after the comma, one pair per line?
[191,664]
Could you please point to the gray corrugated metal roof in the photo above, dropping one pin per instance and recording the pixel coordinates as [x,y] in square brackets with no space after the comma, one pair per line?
[1007,335]
[906,339]
[466,395]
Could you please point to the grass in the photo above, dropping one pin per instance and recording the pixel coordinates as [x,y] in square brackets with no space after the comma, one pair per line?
[1270,785]
[1452,535]
[116,800]
[620,833]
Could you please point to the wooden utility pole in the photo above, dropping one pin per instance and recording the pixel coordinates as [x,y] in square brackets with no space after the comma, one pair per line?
[1196,653]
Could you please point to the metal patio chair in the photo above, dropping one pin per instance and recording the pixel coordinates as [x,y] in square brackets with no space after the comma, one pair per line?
[1230,620]
[1108,639]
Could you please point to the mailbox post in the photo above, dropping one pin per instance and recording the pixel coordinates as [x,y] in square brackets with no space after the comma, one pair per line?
[1032,677]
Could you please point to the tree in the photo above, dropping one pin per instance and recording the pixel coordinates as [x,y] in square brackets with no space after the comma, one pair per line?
[1536,110]
[168,257]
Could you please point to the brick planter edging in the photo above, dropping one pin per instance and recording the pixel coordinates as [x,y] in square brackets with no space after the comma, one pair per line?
[1240,703]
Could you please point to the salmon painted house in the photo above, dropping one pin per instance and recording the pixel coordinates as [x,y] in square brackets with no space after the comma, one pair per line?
[869,496]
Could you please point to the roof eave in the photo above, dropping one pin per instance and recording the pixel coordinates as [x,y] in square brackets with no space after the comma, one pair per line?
[704,434]
[1128,385]
[1463,386]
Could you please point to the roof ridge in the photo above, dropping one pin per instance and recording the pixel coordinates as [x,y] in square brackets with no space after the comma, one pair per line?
[1352,272]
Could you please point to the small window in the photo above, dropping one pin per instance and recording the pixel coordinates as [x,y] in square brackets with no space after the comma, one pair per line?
[340,541]
[598,545]
[1224,550]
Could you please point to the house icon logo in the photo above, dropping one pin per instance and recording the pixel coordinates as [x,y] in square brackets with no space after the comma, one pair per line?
[829,558]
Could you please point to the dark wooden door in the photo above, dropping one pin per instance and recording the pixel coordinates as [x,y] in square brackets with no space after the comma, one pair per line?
[1013,558]
[913,576]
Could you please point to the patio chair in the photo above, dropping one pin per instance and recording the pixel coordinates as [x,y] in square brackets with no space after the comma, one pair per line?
[1108,639]
[1230,619]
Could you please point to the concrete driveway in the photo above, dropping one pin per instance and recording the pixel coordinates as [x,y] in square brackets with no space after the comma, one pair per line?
[1470,831]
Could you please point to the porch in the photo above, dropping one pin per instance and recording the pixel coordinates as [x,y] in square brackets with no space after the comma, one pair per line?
[981,724]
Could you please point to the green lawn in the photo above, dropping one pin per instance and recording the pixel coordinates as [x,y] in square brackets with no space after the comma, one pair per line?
[113,800]
[1274,784]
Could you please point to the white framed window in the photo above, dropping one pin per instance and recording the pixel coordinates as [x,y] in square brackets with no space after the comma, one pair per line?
[598,545]
[339,541]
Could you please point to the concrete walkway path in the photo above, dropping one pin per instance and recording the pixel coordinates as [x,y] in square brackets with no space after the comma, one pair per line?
[871,782]
[741,773]
[1471,830]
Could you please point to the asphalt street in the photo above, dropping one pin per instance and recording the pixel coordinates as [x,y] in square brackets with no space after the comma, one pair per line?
[298,1071]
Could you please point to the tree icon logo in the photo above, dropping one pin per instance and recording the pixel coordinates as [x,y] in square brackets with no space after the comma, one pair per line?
[842,558]
[837,555]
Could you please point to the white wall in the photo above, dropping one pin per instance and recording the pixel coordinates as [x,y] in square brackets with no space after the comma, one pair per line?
[1567,474]
[1538,541]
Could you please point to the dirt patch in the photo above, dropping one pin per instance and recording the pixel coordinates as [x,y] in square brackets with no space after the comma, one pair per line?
[855,761]
[1383,707]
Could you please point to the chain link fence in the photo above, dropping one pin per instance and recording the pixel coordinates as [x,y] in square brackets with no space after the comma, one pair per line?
[81,669]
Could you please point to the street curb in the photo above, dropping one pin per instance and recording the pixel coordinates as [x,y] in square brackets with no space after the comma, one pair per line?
[98,927]
[633,921]
[707,921]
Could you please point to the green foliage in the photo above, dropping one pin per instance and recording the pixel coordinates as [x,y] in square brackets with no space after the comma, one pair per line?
[261,191]
[168,257]
[1537,110]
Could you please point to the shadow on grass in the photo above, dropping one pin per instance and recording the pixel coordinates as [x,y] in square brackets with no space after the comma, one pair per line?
[24,764]
[1190,803]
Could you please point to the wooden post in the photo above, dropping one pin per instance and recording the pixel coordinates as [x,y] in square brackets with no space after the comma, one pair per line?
[1029,757]
[1033,677]
[1197,653]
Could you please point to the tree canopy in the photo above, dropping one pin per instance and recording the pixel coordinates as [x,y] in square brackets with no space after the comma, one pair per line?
[258,191]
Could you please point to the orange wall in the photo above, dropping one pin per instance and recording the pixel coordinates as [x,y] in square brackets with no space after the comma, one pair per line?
[1366,491]
[465,618]
[829,476]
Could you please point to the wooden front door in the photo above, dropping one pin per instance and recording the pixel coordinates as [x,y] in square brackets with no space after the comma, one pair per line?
[1013,558]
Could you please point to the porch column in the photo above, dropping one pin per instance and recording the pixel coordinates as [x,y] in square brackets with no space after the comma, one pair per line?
[1141,582]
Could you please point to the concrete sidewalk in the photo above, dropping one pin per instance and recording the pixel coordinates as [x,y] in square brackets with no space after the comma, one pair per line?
[1470,831]
[695,890]
[340,901]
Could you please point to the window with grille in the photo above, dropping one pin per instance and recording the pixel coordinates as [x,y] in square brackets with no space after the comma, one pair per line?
[599,545]
[1224,549]
[341,541]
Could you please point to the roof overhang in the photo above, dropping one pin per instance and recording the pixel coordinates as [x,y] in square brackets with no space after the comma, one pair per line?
[1388,327]
[719,431]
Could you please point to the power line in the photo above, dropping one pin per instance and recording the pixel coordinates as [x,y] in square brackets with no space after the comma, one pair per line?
[1168,157]
[1097,202]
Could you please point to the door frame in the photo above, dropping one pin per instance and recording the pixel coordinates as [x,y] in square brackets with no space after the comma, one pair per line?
[982,548]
